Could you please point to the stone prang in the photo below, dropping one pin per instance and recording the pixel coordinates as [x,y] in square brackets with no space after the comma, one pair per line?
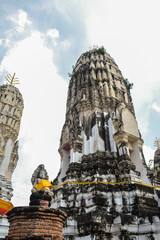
[100,142]
[11,108]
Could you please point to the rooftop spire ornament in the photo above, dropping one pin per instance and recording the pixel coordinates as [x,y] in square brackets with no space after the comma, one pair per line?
[157,143]
[12,79]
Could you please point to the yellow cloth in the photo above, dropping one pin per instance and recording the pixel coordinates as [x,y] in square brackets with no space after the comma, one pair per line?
[43,184]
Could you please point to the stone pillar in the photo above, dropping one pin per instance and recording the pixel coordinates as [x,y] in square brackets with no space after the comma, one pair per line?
[35,222]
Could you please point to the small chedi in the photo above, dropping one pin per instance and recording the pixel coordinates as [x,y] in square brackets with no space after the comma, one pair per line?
[105,186]
[11,108]
[37,221]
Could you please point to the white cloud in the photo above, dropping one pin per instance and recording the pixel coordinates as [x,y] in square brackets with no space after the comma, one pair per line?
[156,107]
[53,34]
[6,42]
[66,44]
[21,20]
[44,93]
[148,153]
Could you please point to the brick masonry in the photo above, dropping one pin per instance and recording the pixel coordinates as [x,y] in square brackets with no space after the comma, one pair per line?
[35,223]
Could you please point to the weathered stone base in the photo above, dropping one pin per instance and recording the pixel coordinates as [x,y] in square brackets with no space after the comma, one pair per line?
[6,194]
[124,236]
[35,223]
[117,231]
[108,211]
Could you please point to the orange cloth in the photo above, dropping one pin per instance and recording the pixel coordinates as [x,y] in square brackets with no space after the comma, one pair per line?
[5,207]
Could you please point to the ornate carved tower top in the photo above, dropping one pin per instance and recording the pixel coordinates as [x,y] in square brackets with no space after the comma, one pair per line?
[100,114]
[11,107]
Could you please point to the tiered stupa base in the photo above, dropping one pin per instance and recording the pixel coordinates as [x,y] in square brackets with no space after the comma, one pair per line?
[108,211]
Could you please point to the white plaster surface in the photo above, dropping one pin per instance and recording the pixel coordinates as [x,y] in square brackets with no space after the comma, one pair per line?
[94,143]
[64,164]
[70,230]
[129,123]
[85,238]
[111,133]
[75,156]
[4,225]
[5,162]
[136,159]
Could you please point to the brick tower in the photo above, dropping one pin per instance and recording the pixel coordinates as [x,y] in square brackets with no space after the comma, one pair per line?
[100,141]
[11,108]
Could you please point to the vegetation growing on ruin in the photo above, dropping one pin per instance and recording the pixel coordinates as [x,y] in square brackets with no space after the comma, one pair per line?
[101,50]
[73,72]
[128,84]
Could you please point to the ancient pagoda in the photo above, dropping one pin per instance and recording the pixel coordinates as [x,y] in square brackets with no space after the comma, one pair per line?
[105,186]
[11,108]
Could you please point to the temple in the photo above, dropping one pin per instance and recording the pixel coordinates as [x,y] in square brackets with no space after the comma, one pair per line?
[101,150]
[11,108]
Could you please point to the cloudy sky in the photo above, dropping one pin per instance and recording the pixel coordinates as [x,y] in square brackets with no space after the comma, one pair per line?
[41,40]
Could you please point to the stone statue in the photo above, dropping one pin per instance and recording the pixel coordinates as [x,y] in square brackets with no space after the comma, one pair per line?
[39,174]
[44,194]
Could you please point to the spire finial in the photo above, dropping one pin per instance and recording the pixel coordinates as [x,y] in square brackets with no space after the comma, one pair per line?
[157,143]
[12,79]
